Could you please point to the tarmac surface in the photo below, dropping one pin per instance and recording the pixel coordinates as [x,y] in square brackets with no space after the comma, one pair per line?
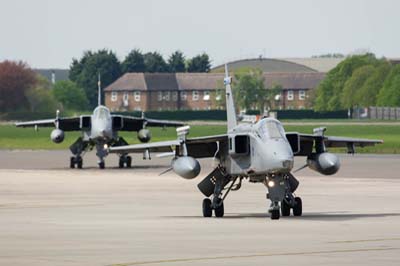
[52,215]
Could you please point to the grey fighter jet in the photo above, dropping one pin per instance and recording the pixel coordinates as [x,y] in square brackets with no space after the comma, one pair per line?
[99,130]
[261,152]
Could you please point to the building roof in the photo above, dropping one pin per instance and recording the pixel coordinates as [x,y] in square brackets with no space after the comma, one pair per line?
[128,82]
[293,80]
[199,81]
[266,65]
[321,64]
[161,81]
[208,81]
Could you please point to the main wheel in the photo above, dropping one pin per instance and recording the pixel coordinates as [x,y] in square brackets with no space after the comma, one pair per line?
[219,211]
[72,162]
[285,208]
[128,161]
[102,165]
[121,163]
[298,208]
[275,214]
[207,210]
[79,162]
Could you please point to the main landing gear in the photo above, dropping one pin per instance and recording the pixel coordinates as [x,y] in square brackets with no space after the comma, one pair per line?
[125,160]
[214,184]
[280,190]
[76,161]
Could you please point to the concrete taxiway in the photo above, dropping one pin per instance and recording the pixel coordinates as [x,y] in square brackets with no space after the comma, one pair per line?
[52,215]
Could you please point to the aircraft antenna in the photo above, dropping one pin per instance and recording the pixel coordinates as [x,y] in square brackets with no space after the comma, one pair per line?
[99,89]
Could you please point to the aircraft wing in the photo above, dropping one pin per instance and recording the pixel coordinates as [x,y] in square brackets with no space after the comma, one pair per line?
[200,147]
[66,124]
[132,123]
[306,143]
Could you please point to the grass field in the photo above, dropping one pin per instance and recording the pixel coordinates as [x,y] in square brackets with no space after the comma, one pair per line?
[26,138]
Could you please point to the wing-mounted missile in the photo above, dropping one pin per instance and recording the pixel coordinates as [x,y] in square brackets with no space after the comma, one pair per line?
[144,135]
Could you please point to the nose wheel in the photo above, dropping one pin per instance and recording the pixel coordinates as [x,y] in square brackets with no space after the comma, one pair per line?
[208,208]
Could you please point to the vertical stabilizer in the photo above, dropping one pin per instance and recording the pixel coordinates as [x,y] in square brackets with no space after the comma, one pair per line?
[230,106]
[99,90]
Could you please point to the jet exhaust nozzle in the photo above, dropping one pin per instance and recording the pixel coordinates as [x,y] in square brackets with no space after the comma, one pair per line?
[144,135]
[325,163]
[57,135]
[186,167]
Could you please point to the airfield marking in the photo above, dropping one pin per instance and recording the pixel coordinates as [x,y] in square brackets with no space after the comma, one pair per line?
[254,256]
[365,240]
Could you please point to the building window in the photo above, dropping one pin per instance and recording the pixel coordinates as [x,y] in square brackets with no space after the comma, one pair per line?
[114,96]
[206,95]
[126,96]
[136,96]
[167,96]
[302,95]
[290,95]
[195,96]
[174,96]
[159,98]
[183,95]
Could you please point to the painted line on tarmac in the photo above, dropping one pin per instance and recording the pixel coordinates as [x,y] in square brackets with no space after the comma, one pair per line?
[365,240]
[253,256]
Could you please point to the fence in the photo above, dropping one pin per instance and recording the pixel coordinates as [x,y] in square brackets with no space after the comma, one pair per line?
[381,113]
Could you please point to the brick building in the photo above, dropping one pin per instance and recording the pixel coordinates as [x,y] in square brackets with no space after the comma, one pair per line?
[199,91]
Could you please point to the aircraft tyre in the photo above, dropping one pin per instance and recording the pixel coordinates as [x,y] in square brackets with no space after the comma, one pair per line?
[275,214]
[298,208]
[121,163]
[219,211]
[79,162]
[128,161]
[285,208]
[72,162]
[207,210]
[102,165]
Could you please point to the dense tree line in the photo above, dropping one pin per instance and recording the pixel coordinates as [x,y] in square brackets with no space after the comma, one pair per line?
[359,81]
[84,72]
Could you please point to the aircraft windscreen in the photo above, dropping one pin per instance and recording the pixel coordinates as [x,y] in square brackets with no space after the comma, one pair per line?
[101,113]
[271,130]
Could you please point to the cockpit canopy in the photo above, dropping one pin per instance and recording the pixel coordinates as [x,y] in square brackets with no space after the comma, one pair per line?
[271,129]
[101,112]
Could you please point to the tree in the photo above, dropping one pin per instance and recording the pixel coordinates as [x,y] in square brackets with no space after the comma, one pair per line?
[250,92]
[16,78]
[367,95]
[354,84]
[176,62]
[155,63]
[134,62]
[329,91]
[199,63]
[40,97]
[389,95]
[85,72]
[70,95]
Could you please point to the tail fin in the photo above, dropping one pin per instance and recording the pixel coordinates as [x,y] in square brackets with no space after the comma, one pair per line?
[99,90]
[230,105]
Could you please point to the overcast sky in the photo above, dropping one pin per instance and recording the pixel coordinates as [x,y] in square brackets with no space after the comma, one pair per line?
[49,34]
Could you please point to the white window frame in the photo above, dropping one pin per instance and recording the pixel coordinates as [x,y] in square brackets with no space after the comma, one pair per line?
[195,95]
[290,95]
[183,96]
[160,96]
[125,97]
[167,95]
[174,96]
[136,96]
[206,95]
[114,96]
[302,95]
